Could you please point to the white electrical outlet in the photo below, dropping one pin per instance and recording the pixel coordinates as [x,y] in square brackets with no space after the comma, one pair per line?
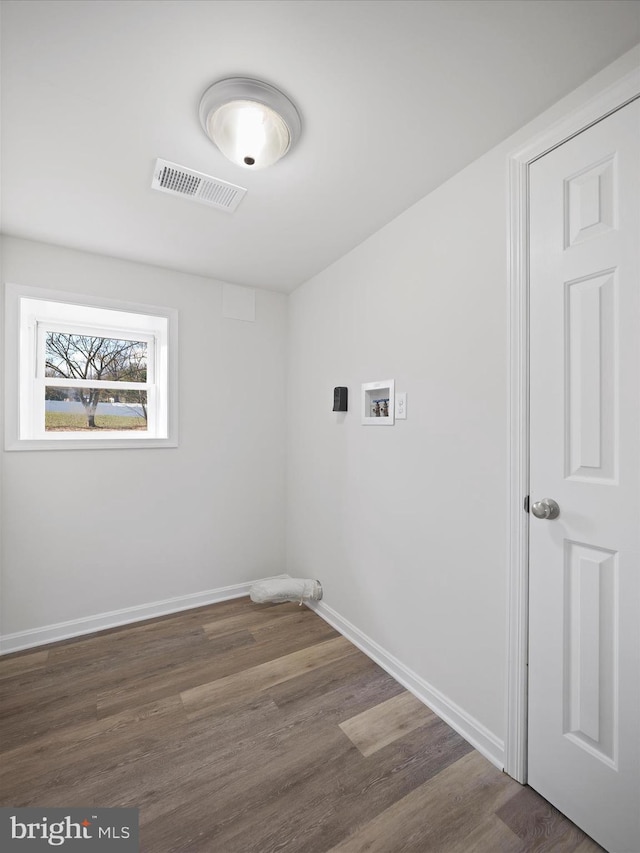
[401,405]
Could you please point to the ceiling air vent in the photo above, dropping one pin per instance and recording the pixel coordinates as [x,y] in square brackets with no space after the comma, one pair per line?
[174,179]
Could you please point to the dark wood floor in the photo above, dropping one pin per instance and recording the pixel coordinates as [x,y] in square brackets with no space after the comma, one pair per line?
[243,728]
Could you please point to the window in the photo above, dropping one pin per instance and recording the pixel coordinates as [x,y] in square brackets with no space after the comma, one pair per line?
[87,373]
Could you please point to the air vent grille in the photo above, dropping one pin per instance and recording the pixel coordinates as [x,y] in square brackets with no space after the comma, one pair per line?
[178,180]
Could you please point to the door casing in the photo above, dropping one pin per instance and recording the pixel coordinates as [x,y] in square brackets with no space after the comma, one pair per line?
[622,92]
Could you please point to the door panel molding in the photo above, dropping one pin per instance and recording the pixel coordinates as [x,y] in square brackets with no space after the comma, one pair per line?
[591,649]
[611,99]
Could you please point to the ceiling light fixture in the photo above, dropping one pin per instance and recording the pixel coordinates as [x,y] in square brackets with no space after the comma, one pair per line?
[251,122]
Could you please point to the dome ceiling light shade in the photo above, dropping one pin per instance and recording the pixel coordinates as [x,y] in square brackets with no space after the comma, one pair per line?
[252,123]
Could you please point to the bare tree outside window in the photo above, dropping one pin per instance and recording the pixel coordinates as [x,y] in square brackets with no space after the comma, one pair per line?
[90,357]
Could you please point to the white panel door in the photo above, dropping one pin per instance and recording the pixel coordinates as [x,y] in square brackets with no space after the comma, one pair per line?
[584,616]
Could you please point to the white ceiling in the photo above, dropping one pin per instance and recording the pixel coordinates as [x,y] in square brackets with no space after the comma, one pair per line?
[395,97]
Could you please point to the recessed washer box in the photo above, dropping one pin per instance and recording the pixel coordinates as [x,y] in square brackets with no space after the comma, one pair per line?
[378,403]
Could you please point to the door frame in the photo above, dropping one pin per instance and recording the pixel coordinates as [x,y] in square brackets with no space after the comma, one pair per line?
[611,99]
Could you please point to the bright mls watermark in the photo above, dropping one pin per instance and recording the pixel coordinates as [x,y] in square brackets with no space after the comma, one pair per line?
[102,830]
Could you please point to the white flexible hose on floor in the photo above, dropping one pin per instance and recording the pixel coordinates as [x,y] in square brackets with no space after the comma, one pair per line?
[286,589]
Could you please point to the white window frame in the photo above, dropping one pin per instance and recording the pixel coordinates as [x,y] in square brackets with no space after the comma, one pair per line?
[31,312]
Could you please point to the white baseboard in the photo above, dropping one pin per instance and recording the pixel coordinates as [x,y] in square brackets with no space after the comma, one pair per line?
[89,624]
[471,730]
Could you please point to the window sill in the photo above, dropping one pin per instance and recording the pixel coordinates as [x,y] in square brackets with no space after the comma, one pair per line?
[91,443]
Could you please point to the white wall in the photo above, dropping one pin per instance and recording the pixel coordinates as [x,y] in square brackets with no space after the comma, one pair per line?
[93,531]
[406,526]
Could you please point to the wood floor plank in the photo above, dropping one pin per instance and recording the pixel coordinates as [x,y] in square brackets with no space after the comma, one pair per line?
[236,792]
[340,699]
[114,665]
[67,690]
[211,667]
[538,823]
[233,758]
[431,816]
[491,835]
[46,715]
[298,620]
[322,801]
[159,768]
[75,746]
[235,687]
[12,666]
[384,723]
[355,676]
[250,621]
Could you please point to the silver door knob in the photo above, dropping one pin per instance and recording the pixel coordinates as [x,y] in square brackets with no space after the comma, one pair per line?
[546,508]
